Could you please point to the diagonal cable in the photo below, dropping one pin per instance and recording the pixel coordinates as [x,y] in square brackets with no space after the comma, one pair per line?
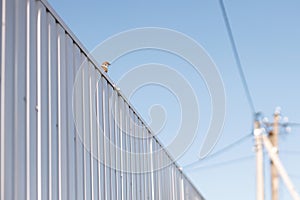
[293,124]
[237,57]
[221,151]
[221,164]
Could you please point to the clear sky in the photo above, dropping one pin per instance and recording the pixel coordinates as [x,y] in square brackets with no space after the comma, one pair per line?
[267,35]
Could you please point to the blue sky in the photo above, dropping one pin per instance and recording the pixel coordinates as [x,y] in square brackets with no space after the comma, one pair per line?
[267,34]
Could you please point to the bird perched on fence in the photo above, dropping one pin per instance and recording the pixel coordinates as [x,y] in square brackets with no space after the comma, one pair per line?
[105,66]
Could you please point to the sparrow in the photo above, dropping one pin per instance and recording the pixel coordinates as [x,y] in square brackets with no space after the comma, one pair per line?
[105,66]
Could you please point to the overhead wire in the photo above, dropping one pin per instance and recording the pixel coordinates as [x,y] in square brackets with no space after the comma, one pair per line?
[221,164]
[221,151]
[296,176]
[290,152]
[248,96]
[237,58]
[245,86]
[293,124]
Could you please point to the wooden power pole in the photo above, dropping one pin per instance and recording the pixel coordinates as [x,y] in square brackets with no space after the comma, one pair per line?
[270,142]
[273,137]
[277,163]
[259,162]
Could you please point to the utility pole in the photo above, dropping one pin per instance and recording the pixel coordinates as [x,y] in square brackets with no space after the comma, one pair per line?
[273,137]
[270,142]
[277,163]
[259,161]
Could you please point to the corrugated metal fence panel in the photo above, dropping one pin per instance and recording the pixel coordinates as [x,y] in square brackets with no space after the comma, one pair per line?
[43,154]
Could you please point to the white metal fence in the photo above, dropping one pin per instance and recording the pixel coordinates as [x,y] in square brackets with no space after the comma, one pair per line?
[43,154]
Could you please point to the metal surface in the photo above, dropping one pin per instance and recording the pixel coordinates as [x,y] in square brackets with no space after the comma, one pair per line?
[42,154]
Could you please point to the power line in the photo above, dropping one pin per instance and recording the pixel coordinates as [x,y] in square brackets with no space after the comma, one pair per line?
[222,150]
[296,176]
[290,152]
[293,124]
[221,164]
[236,56]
